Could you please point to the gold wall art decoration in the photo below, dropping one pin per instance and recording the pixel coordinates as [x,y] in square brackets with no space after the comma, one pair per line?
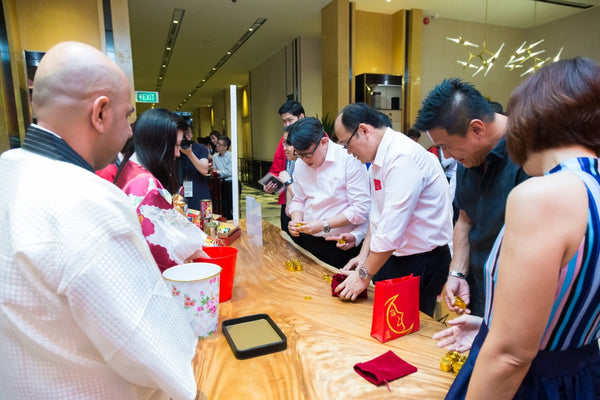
[484,60]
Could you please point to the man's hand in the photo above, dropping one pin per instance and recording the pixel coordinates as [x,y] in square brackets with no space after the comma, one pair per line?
[311,227]
[188,152]
[457,287]
[352,286]
[353,264]
[294,227]
[345,241]
[270,187]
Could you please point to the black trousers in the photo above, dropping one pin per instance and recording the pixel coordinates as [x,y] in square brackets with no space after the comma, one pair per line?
[431,267]
[327,251]
[228,198]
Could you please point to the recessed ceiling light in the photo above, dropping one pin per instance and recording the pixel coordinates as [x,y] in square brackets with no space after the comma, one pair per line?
[257,24]
[172,33]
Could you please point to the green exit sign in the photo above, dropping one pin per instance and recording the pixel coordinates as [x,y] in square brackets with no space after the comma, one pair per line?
[146,97]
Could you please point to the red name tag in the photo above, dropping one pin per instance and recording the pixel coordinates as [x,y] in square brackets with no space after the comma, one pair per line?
[377,183]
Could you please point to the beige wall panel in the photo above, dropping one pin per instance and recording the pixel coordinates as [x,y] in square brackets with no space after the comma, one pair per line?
[579,34]
[311,80]
[267,94]
[373,43]
[399,42]
[413,81]
[335,39]
[44,23]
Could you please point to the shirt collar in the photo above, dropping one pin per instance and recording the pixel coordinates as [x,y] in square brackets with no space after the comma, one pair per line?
[48,144]
[382,149]
[499,150]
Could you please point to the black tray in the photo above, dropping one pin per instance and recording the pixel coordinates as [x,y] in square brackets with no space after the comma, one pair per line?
[253,335]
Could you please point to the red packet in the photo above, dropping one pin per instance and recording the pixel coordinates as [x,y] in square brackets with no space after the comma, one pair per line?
[395,308]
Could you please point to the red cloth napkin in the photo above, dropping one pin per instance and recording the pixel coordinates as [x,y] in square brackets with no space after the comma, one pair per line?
[339,278]
[385,368]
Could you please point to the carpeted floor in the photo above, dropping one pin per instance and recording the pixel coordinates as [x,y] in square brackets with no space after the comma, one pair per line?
[269,208]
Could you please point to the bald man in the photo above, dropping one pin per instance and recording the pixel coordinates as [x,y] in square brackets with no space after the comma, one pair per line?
[84,312]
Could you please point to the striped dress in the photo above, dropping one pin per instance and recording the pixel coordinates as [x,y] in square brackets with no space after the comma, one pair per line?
[568,363]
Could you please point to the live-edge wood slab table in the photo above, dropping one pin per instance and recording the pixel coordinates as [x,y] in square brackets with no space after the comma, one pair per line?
[325,336]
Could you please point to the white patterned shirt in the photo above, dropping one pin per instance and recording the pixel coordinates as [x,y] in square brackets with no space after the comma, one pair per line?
[84,311]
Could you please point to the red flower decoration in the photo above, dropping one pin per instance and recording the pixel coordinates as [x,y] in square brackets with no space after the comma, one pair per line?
[189,302]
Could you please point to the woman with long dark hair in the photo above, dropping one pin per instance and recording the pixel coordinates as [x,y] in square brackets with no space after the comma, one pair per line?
[148,177]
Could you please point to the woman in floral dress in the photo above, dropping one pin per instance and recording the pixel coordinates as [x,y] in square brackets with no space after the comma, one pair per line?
[148,177]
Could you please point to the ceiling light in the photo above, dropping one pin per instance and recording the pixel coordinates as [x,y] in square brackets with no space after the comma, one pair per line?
[174,27]
[252,30]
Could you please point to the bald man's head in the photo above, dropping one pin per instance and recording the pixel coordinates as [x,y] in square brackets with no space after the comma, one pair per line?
[84,97]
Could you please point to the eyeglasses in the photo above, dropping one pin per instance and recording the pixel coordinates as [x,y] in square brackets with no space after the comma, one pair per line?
[351,136]
[308,156]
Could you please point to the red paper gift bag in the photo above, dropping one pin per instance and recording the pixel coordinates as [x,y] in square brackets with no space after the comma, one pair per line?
[395,308]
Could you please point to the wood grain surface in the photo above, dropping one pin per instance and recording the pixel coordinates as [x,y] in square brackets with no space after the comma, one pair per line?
[326,336]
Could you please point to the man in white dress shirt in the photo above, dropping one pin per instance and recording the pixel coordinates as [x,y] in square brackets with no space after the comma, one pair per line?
[84,311]
[411,209]
[331,195]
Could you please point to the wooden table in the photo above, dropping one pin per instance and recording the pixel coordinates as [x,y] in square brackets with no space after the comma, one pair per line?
[325,337]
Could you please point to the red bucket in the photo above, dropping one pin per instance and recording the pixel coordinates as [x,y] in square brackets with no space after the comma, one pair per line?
[226,258]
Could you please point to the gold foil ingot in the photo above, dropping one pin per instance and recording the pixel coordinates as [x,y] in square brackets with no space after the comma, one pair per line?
[293,265]
[341,241]
[446,364]
[298,225]
[460,303]
[327,277]
[179,204]
[456,366]
[307,297]
[298,265]
[453,355]
[289,265]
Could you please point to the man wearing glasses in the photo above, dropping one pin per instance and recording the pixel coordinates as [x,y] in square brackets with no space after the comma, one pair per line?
[411,210]
[331,200]
[222,168]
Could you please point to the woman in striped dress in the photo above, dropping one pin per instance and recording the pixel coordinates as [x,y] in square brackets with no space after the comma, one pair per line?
[543,275]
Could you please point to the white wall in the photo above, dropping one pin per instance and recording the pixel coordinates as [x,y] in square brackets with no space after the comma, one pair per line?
[579,34]
[272,81]
[267,93]
[439,56]
[310,77]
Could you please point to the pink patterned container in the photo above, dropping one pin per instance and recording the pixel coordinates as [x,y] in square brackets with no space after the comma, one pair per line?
[195,287]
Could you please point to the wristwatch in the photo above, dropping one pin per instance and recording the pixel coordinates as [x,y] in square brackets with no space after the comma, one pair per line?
[326,227]
[457,274]
[289,182]
[363,273]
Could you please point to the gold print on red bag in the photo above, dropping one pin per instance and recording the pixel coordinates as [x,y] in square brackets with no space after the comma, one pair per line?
[395,318]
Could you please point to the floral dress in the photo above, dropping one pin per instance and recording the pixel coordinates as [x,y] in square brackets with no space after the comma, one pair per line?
[172,237]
